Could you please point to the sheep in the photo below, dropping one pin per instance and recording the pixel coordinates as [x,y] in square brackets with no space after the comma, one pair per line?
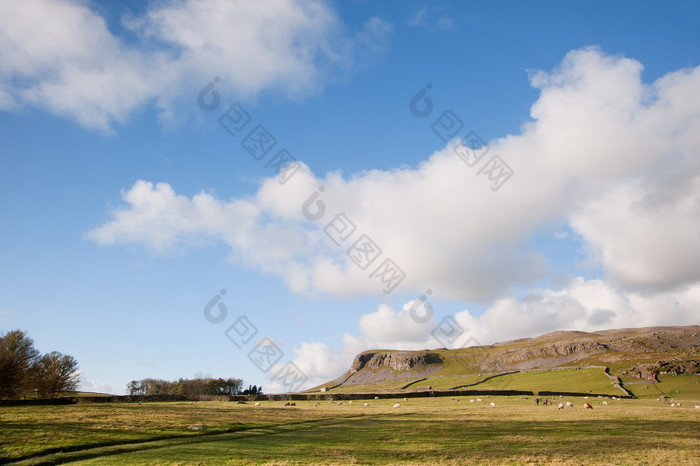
[397,405]
[569,404]
[561,405]
[366,404]
[587,405]
[340,402]
[257,404]
[479,400]
[350,402]
[605,403]
[673,405]
[405,399]
[376,397]
[471,401]
[493,405]
[191,403]
[697,406]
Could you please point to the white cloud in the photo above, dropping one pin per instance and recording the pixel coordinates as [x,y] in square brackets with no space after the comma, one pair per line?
[431,21]
[60,55]
[615,157]
[94,386]
[586,305]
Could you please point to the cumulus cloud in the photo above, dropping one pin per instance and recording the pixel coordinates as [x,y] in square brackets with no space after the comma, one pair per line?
[94,386]
[384,328]
[61,56]
[611,156]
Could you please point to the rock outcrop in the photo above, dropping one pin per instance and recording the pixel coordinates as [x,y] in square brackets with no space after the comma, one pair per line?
[396,360]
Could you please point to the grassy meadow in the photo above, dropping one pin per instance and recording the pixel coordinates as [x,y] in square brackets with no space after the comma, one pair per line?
[434,430]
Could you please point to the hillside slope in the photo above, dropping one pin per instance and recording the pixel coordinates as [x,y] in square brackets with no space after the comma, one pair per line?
[612,359]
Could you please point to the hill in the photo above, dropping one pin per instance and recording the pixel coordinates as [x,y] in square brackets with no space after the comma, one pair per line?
[651,361]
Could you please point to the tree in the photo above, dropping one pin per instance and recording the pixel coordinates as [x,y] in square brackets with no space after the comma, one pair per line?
[56,373]
[17,360]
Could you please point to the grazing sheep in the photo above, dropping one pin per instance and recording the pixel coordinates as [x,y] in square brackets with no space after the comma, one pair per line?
[397,405]
[697,406]
[405,399]
[471,401]
[350,402]
[340,402]
[292,404]
[605,403]
[315,404]
[191,403]
[257,404]
[585,397]
[479,400]
[561,405]
[587,405]
[569,404]
[376,397]
[195,427]
[140,402]
[673,405]
[493,405]
[366,404]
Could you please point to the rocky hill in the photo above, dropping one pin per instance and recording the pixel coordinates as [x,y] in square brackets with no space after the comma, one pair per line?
[641,353]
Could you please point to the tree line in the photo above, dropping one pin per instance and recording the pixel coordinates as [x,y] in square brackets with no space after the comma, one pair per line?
[26,373]
[190,387]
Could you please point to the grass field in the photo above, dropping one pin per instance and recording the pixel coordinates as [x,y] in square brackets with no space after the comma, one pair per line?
[586,380]
[431,430]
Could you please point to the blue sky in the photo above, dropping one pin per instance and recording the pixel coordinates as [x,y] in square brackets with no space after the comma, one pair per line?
[127,207]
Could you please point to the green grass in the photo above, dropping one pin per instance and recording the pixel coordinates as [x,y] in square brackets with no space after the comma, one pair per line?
[434,430]
[682,387]
[556,380]
[562,380]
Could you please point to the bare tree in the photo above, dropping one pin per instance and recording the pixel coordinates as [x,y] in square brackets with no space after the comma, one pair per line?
[17,361]
[56,374]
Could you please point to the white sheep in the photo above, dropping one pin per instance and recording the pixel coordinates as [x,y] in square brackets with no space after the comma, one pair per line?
[569,404]
[697,406]
[405,399]
[561,405]
[397,405]
[376,397]
[366,404]
[471,401]
[493,405]
[340,402]
[350,402]
[479,400]
[605,403]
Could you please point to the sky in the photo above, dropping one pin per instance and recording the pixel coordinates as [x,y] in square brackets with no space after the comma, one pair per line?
[263,189]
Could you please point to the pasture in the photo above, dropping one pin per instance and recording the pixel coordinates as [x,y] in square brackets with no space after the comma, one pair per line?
[433,430]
